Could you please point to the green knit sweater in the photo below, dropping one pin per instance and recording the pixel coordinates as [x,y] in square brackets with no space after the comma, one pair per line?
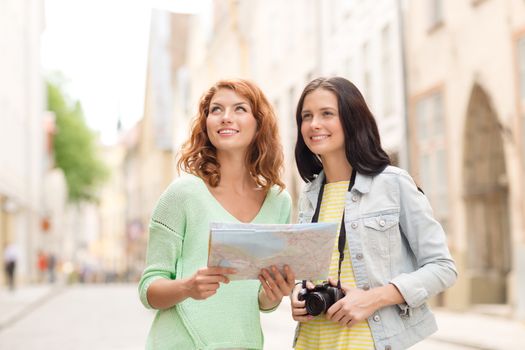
[177,247]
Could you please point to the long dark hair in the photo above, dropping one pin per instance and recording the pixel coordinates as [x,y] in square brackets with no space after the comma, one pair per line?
[362,142]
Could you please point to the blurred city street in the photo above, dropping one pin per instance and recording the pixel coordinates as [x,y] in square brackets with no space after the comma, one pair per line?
[97,99]
[105,317]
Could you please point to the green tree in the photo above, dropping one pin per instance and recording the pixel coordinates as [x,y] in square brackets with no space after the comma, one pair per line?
[75,147]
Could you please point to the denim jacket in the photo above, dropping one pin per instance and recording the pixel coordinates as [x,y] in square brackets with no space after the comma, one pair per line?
[393,238]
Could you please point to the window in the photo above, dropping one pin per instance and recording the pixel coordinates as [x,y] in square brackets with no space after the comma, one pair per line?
[347,7]
[435,13]
[387,71]
[184,91]
[309,77]
[333,12]
[292,136]
[521,77]
[432,155]
[476,2]
[367,74]
[521,67]
[349,68]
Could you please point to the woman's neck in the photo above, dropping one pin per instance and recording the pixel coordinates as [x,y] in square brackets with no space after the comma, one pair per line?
[336,168]
[234,173]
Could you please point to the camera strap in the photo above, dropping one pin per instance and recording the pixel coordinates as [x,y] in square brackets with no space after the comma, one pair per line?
[342,231]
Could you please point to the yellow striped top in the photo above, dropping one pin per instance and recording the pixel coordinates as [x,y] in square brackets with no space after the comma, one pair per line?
[320,333]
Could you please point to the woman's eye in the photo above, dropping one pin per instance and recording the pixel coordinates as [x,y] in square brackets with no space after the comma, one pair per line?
[307,116]
[239,108]
[326,113]
[215,109]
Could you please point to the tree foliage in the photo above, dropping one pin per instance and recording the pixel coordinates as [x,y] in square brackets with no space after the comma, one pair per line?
[75,147]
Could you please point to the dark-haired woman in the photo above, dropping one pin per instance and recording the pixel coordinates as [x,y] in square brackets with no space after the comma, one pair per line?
[395,254]
[234,161]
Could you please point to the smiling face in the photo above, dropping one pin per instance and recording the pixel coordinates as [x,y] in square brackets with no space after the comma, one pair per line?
[230,123]
[321,127]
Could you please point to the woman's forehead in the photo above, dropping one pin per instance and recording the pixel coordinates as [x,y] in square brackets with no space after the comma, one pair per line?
[228,96]
[320,97]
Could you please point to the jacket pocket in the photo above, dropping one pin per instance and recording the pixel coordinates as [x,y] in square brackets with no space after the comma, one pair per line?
[381,232]
[382,222]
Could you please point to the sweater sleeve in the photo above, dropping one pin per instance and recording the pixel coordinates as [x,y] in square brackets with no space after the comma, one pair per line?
[286,208]
[166,232]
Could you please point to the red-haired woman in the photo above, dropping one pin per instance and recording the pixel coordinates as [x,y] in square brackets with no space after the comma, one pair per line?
[234,160]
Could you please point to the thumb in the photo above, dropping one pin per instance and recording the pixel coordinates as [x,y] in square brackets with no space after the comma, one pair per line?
[332,281]
[310,285]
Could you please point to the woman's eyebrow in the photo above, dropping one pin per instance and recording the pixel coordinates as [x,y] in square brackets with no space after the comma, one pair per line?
[235,104]
[241,103]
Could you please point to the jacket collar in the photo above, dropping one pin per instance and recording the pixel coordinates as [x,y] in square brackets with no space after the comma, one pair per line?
[362,185]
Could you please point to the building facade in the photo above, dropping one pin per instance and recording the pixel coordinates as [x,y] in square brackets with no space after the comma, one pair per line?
[465,78]
[21,131]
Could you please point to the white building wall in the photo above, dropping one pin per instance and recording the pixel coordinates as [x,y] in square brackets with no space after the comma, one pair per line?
[347,27]
[284,53]
[21,109]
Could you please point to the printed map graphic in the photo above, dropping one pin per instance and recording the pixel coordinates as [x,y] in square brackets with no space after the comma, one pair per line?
[306,248]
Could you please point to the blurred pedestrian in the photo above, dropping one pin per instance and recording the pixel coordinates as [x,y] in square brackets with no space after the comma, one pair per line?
[391,255]
[51,267]
[10,260]
[234,160]
[41,262]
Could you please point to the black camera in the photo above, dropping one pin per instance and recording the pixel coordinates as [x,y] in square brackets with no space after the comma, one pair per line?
[319,299]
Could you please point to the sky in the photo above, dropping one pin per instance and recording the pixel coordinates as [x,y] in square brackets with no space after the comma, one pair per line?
[100,46]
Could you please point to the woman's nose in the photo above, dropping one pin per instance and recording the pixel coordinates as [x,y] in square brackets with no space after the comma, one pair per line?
[226,116]
[315,123]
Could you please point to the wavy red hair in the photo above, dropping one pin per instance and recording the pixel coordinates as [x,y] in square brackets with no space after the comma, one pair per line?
[264,158]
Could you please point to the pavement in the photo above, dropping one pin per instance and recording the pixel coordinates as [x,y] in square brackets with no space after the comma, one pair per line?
[16,304]
[468,330]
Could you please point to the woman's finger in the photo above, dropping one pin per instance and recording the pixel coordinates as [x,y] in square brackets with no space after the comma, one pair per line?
[344,321]
[204,279]
[299,311]
[304,318]
[271,283]
[290,276]
[267,289]
[208,287]
[207,294]
[332,310]
[338,316]
[298,304]
[216,270]
[280,282]
[352,323]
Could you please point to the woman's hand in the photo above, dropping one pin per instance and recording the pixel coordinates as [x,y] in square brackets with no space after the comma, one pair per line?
[275,287]
[358,304]
[299,313]
[205,282]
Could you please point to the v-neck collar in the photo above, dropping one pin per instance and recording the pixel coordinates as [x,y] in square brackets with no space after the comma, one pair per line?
[223,209]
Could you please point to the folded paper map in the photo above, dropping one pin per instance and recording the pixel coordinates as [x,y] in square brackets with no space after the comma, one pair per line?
[306,248]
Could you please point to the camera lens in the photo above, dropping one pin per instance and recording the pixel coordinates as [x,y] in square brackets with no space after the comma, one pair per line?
[315,304]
